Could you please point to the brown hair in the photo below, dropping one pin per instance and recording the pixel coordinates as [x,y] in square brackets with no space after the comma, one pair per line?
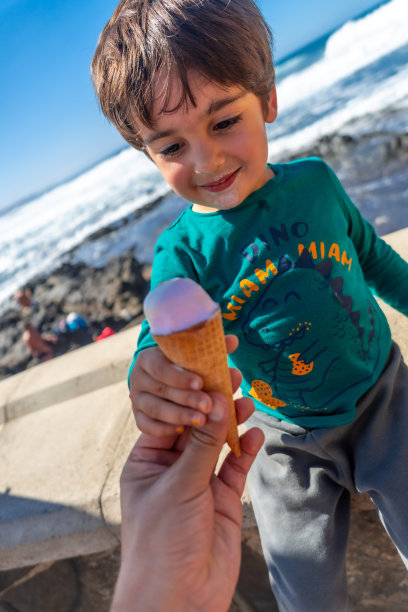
[225,41]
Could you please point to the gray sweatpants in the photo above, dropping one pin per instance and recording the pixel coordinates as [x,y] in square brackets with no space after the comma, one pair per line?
[300,488]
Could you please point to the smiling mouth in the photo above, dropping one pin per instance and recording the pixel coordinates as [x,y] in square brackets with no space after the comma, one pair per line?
[223,183]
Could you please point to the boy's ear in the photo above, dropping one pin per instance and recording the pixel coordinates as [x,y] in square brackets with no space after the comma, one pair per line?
[272,106]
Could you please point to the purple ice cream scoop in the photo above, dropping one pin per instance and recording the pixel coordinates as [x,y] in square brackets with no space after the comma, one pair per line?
[177,304]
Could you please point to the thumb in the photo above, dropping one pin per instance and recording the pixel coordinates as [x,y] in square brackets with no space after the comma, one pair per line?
[196,465]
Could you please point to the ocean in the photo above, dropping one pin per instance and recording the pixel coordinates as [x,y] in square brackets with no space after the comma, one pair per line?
[352,83]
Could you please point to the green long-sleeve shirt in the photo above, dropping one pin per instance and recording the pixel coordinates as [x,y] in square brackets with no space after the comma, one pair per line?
[294,268]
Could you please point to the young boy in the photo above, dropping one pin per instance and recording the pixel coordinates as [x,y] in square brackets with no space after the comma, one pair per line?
[292,263]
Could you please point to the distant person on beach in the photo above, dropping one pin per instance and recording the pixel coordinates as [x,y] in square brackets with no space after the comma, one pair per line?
[39,345]
[171,498]
[23,297]
[294,267]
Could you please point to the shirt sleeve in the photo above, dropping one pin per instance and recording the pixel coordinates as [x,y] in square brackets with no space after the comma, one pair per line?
[385,271]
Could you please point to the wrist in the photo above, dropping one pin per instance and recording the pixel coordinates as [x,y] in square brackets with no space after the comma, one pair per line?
[140,589]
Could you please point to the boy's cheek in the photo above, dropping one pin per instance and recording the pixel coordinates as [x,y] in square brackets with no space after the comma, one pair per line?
[174,176]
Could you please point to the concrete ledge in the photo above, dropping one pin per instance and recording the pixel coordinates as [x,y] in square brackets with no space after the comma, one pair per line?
[110,499]
[54,466]
[89,368]
[65,431]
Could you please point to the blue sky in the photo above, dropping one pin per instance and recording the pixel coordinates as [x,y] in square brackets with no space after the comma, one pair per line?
[50,123]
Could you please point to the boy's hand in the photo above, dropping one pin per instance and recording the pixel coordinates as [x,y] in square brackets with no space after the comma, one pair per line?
[166,398]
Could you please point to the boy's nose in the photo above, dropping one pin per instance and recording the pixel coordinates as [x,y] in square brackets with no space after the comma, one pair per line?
[208,158]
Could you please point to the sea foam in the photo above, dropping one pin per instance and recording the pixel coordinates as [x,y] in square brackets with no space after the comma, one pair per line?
[355,45]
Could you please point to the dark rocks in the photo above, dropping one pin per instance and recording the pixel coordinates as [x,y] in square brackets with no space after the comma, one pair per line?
[372,167]
[333,146]
[110,296]
[115,291]
[336,148]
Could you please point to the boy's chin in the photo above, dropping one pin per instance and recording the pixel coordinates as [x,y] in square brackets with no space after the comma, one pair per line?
[215,207]
[204,208]
[226,200]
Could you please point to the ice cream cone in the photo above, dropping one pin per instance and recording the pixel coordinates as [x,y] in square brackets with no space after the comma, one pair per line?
[201,349]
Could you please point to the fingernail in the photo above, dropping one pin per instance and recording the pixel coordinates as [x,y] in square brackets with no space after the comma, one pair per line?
[197,422]
[180,430]
[195,384]
[203,406]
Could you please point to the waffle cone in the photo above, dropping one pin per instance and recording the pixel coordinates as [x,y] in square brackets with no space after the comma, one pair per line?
[201,349]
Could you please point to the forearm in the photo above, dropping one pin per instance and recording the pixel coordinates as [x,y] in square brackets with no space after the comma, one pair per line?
[390,280]
[384,270]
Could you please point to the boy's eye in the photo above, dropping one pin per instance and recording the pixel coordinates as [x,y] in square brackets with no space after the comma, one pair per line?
[171,150]
[227,123]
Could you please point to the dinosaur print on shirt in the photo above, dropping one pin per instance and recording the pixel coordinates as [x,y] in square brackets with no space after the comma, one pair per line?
[302,362]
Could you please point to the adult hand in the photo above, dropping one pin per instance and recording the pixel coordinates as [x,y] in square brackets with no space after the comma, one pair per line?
[181,523]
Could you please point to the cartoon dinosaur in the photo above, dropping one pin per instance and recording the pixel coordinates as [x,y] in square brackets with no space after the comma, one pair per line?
[304,355]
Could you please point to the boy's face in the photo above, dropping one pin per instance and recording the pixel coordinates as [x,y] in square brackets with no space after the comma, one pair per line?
[213,154]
